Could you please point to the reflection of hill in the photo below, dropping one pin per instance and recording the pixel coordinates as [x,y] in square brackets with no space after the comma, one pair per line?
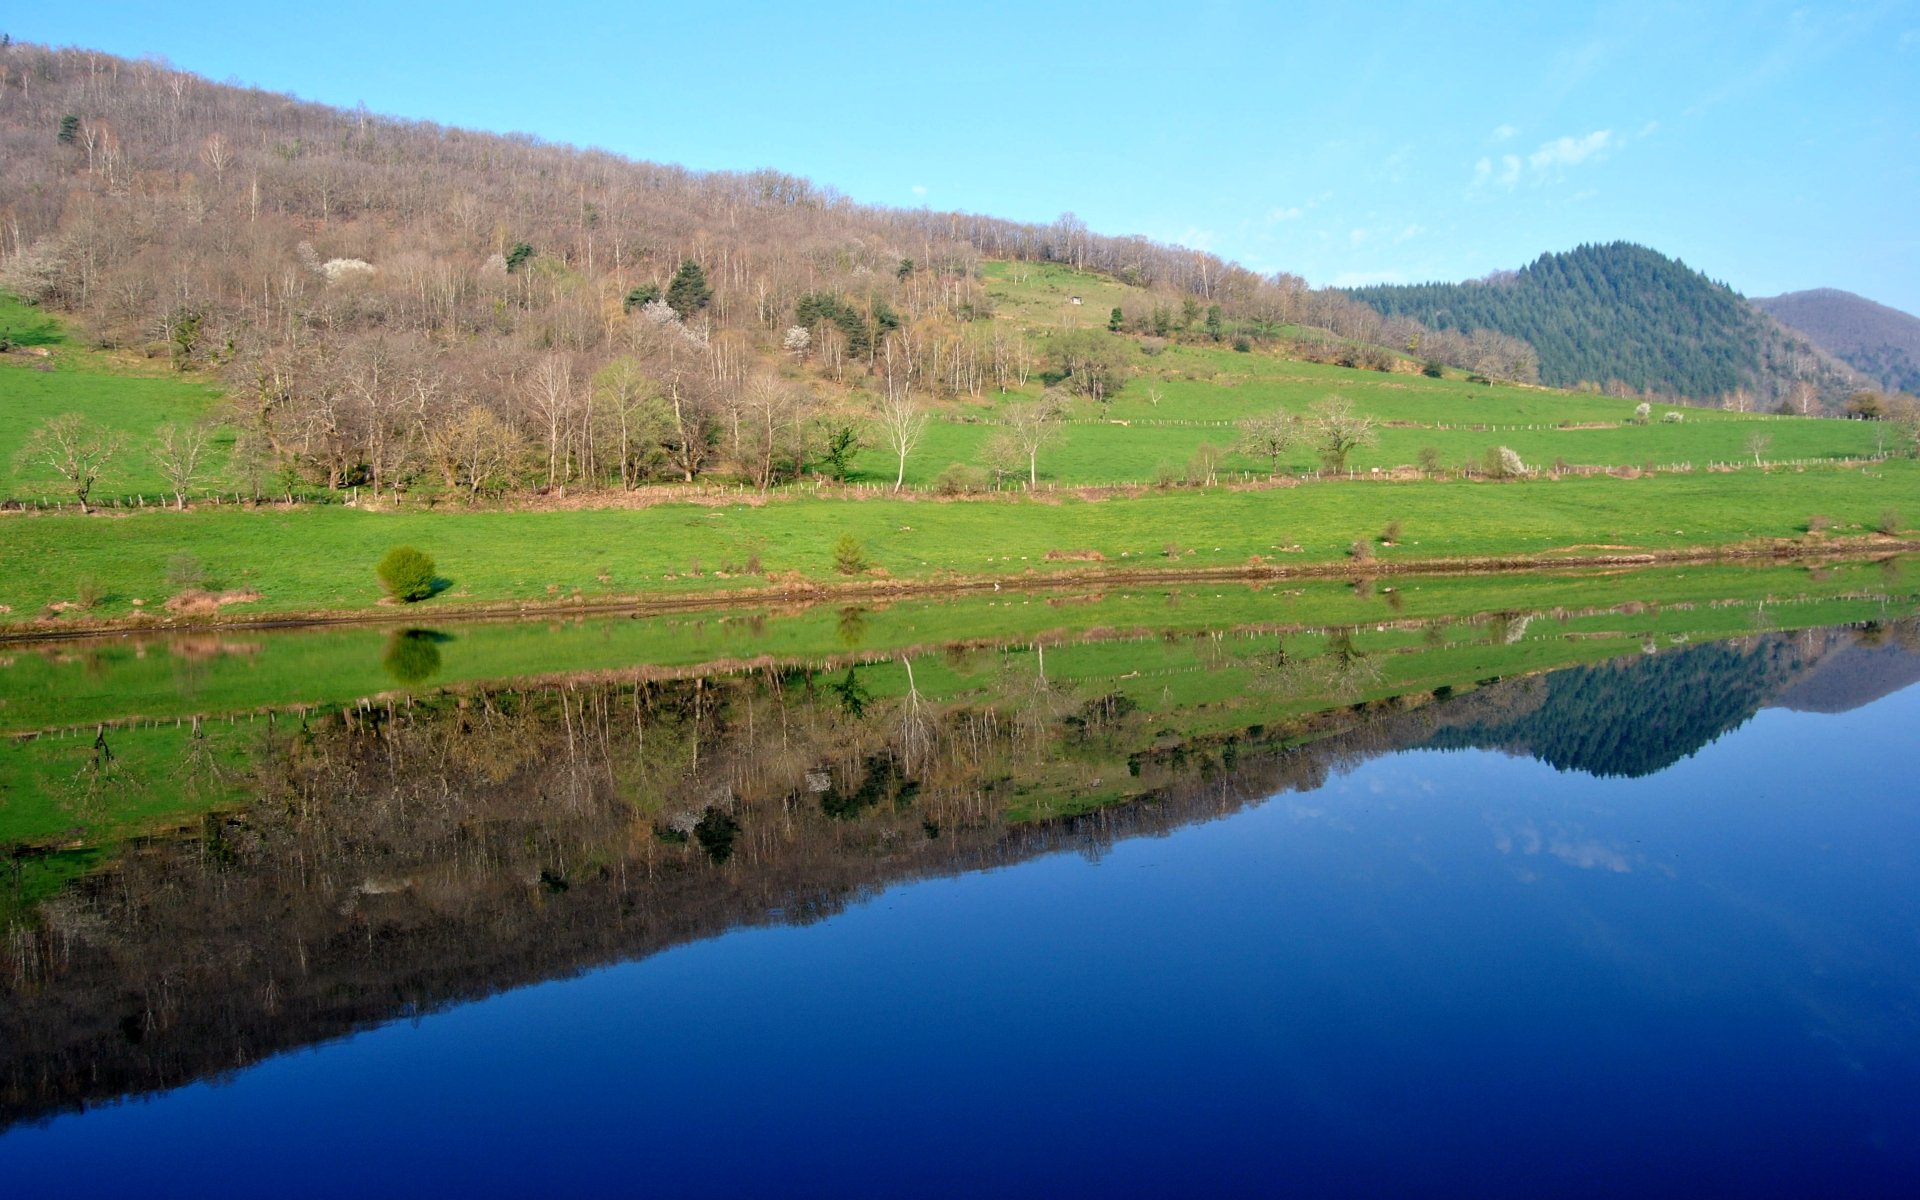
[404,858]
[1853,675]
[1634,717]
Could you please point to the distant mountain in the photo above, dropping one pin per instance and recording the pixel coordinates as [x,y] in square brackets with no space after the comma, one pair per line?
[1627,318]
[1880,342]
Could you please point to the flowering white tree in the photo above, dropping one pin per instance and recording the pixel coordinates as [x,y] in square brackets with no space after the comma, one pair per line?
[797,341]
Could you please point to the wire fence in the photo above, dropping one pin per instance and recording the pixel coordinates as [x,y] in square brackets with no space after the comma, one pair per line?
[722,492]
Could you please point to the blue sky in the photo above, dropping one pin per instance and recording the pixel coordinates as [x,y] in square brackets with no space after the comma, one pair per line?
[1774,147]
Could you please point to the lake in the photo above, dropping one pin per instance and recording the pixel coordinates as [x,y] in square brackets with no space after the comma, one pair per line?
[1509,887]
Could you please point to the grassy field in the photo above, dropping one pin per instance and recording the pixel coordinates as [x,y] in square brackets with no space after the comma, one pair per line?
[133,399]
[321,558]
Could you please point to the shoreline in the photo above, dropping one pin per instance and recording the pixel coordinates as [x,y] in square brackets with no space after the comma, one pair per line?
[810,592]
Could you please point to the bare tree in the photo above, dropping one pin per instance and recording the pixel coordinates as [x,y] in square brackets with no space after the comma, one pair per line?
[1338,429]
[1758,443]
[550,397]
[476,451]
[75,449]
[1028,427]
[180,452]
[903,422]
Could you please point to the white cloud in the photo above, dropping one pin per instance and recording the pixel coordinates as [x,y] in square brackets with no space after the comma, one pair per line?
[1505,132]
[1570,151]
[1409,233]
[919,189]
[1547,162]
[1357,236]
[1197,239]
[1293,213]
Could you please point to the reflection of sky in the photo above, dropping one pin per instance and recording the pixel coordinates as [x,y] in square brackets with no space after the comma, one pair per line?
[1460,969]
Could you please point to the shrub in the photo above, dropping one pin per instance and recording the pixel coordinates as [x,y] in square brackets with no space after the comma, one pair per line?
[1432,369]
[1391,534]
[87,592]
[1819,523]
[1672,418]
[406,573]
[960,479]
[1243,344]
[849,556]
[185,571]
[1510,462]
[1889,522]
[1429,459]
[1173,550]
[1361,550]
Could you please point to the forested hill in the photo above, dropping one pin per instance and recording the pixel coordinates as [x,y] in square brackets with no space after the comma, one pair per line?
[1624,317]
[377,293]
[1880,342]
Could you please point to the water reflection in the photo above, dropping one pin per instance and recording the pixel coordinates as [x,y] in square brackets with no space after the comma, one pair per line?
[412,656]
[347,865]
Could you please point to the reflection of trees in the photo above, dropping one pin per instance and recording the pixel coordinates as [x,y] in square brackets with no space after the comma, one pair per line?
[404,857]
[1342,672]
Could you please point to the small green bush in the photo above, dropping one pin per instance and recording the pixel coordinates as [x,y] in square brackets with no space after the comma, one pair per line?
[407,574]
[849,556]
[1889,521]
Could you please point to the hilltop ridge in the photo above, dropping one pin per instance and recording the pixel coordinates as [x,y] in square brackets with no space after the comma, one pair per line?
[1628,319]
[1881,343]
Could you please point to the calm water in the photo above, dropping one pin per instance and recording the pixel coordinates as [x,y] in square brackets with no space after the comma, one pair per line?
[1689,962]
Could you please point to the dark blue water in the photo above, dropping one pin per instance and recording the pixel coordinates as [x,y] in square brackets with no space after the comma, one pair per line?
[1447,973]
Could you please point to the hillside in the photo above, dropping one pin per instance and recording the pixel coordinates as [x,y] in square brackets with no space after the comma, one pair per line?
[1881,343]
[1628,319]
[395,303]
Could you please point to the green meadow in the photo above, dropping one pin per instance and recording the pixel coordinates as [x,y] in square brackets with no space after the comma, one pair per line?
[320,558]
[132,399]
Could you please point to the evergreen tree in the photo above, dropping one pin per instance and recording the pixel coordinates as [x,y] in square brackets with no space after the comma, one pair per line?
[689,293]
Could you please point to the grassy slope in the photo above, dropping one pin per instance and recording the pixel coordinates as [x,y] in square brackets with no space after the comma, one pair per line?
[1204,388]
[121,394]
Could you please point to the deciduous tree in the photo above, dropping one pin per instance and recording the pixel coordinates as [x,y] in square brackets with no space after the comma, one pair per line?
[1338,429]
[75,449]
